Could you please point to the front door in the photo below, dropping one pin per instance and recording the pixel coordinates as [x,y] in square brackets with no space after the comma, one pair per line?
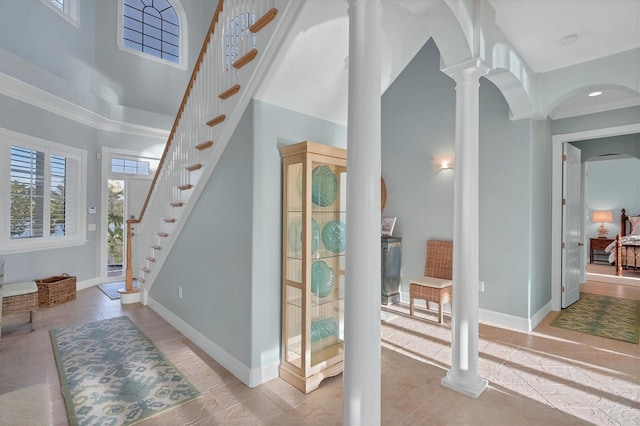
[571,225]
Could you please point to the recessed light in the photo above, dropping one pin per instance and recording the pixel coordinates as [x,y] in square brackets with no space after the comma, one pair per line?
[596,93]
[570,39]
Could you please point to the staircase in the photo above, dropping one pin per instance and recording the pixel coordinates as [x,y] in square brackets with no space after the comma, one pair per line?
[240,45]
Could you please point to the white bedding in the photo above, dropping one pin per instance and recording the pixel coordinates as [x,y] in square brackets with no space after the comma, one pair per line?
[628,239]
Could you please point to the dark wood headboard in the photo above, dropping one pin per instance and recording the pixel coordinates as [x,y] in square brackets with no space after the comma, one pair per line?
[624,220]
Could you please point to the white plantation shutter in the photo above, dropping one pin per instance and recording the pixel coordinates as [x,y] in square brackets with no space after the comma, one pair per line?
[42,193]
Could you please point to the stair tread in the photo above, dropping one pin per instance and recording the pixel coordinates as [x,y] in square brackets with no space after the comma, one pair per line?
[245,59]
[204,145]
[176,204]
[230,92]
[163,234]
[217,120]
[147,270]
[194,167]
[156,247]
[170,220]
[185,187]
[150,259]
[264,20]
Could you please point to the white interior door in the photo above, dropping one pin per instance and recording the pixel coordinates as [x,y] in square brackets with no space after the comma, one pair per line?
[571,225]
[136,190]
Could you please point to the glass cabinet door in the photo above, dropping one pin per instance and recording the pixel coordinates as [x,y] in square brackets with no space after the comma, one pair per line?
[314,230]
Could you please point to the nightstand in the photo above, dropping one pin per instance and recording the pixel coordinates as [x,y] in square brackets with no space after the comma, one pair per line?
[597,244]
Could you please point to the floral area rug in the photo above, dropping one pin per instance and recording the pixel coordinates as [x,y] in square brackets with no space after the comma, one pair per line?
[603,316]
[112,374]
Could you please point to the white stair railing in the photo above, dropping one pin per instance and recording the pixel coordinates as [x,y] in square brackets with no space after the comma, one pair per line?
[238,48]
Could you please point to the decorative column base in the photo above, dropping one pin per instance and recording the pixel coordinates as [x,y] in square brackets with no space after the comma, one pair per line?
[472,388]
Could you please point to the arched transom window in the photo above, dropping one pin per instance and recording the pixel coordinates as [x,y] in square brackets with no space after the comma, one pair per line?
[154,28]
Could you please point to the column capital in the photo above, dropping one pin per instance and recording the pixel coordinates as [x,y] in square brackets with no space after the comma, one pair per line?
[469,70]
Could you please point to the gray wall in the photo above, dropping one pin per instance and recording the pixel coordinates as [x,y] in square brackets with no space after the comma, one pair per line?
[228,256]
[84,66]
[418,122]
[506,172]
[88,57]
[618,117]
[275,127]
[624,144]
[81,261]
[612,185]
[541,186]
[211,258]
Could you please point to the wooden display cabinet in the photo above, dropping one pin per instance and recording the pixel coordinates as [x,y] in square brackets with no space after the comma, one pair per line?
[313,257]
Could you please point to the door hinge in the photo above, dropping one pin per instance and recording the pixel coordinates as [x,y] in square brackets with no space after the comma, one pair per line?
[563,245]
[564,157]
[564,201]
[563,289]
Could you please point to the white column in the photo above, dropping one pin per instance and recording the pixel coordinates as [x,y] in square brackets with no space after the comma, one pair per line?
[463,376]
[362,294]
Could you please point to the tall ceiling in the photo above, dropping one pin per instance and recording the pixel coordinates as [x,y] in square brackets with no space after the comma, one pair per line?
[591,29]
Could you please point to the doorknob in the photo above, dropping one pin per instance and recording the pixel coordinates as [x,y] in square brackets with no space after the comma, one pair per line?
[580,244]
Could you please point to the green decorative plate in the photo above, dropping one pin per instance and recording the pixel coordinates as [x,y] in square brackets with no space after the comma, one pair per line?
[333,236]
[295,236]
[324,186]
[321,279]
[321,329]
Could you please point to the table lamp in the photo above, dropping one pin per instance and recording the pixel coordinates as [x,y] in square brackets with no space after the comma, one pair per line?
[602,217]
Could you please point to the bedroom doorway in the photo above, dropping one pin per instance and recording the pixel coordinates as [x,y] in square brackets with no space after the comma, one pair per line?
[558,142]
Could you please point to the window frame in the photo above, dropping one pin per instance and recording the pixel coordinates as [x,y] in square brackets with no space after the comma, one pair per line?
[182,37]
[71,12]
[47,241]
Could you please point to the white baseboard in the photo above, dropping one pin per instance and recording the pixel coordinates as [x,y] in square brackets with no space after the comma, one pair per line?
[500,319]
[613,279]
[250,377]
[91,282]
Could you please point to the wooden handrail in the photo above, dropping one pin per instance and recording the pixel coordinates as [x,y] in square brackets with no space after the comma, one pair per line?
[187,92]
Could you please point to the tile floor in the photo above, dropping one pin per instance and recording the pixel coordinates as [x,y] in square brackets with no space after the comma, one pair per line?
[548,377]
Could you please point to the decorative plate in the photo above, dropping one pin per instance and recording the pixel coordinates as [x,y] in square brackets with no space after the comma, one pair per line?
[295,236]
[321,279]
[315,236]
[333,236]
[321,329]
[324,186]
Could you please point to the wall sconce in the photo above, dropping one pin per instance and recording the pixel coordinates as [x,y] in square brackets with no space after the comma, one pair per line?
[602,217]
[443,162]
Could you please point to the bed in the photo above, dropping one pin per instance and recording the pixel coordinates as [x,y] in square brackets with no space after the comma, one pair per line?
[624,251]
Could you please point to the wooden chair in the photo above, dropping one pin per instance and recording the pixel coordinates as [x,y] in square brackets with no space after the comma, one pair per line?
[436,284]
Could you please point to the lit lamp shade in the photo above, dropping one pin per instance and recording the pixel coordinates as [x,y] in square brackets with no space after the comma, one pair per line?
[602,217]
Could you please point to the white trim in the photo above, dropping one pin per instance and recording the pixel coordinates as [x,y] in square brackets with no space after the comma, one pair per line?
[183,37]
[250,377]
[46,242]
[556,196]
[91,282]
[24,92]
[72,15]
[106,155]
[613,279]
[498,318]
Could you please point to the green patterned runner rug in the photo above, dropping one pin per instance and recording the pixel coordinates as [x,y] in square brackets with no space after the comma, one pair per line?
[603,316]
[112,374]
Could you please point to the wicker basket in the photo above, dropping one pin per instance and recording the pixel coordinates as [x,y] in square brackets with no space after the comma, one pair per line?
[55,290]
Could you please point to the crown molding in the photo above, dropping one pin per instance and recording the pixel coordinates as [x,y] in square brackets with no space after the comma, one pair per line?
[24,92]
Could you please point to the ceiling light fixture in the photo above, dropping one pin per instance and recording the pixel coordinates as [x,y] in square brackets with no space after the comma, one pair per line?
[570,39]
[596,93]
